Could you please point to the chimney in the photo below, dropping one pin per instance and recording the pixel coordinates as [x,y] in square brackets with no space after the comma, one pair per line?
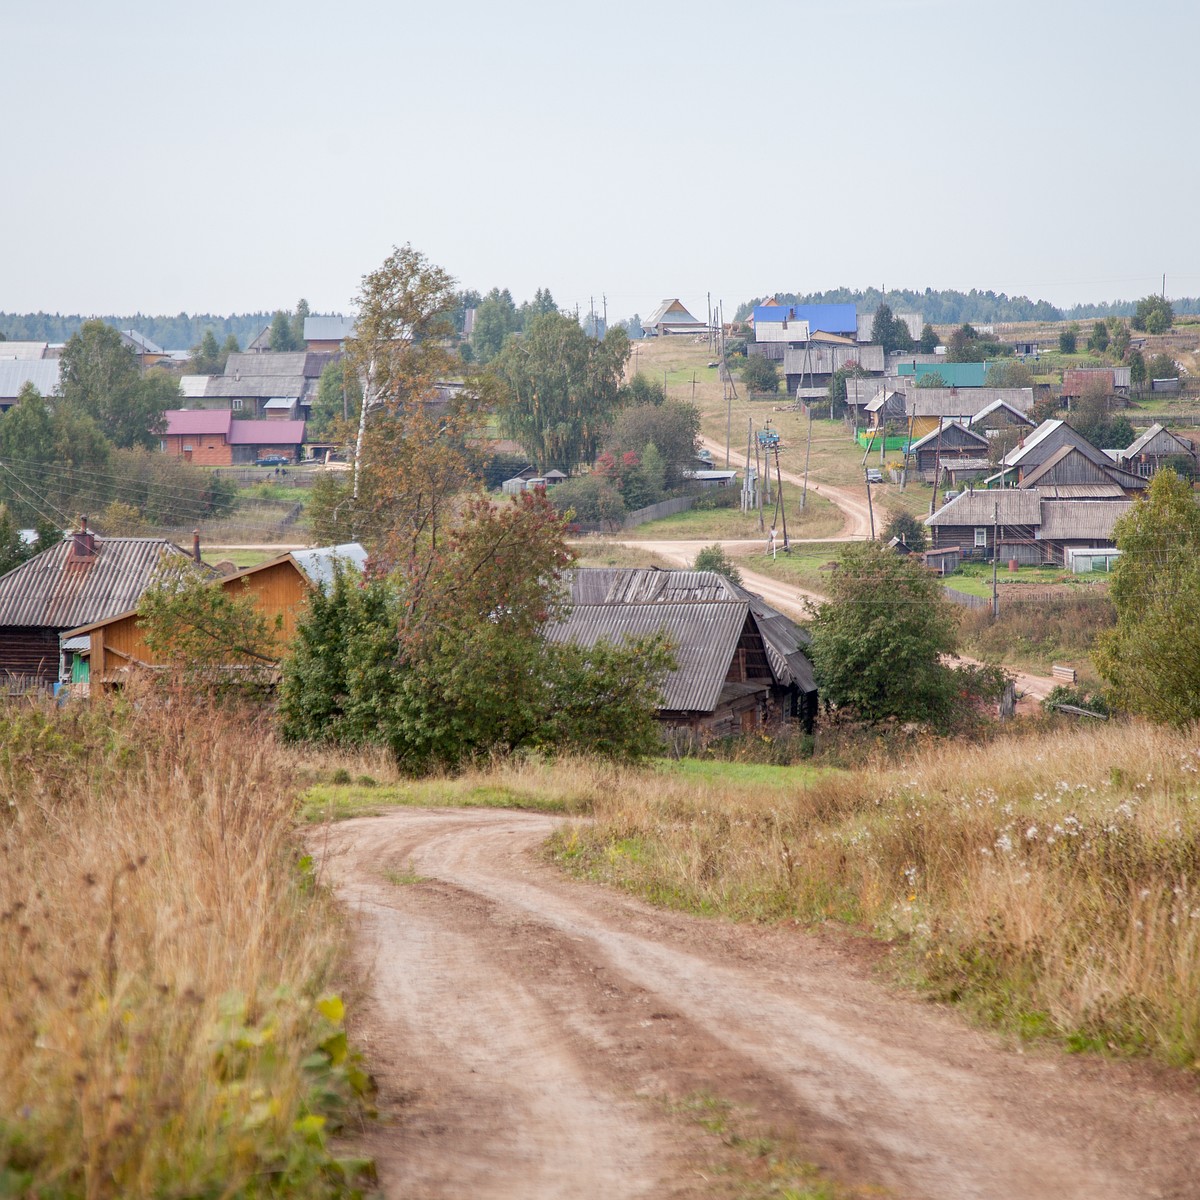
[83,543]
[196,544]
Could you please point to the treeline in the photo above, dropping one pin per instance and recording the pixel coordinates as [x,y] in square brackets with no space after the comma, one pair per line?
[180,332]
[1125,308]
[948,307]
[938,307]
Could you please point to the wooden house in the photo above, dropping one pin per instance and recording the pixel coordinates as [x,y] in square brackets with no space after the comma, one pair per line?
[1076,380]
[1153,449]
[951,440]
[669,318]
[327,334]
[1057,453]
[116,645]
[998,417]
[1030,526]
[740,662]
[812,366]
[921,409]
[81,579]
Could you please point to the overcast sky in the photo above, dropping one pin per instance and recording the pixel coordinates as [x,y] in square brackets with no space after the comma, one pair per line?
[236,156]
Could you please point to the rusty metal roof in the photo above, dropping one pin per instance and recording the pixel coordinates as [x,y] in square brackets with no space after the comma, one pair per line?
[53,591]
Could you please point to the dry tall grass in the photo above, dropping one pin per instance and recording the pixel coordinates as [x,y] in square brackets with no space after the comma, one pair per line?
[1052,880]
[162,962]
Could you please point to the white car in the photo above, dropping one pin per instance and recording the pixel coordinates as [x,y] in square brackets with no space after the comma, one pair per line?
[874,475]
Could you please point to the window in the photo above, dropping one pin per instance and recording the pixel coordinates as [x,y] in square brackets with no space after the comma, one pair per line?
[981,538]
[237,406]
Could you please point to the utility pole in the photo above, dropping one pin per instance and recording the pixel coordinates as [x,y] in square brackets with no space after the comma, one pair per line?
[870,508]
[710,327]
[604,299]
[728,394]
[807,453]
[995,557]
[782,506]
[592,313]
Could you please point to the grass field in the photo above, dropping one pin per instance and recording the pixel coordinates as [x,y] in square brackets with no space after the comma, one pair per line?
[818,519]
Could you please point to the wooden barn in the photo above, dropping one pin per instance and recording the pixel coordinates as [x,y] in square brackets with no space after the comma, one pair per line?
[84,578]
[116,646]
[1056,453]
[741,663]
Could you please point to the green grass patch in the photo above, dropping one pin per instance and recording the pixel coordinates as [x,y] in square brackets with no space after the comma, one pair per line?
[718,773]
[819,518]
[754,1163]
[341,802]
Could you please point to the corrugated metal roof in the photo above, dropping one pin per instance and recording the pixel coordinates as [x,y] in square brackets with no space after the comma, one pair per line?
[960,430]
[953,374]
[1015,507]
[198,422]
[55,593]
[141,342]
[1090,520]
[995,406]
[705,637]
[671,312]
[319,563]
[193,386]
[28,351]
[953,402]
[829,318]
[266,433]
[15,373]
[1082,491]
[327,329]
[280,404]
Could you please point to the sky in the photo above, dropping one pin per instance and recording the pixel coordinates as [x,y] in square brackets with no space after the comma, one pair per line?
[233,157]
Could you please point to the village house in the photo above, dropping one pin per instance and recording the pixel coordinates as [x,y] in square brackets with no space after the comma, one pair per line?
[920,410]
[84,578]
[740,663]
[953,449]
[1056,453]
[327,335]
[261,384]
[1154,449]
[1076,380]
[15,373]
[999,417]
[212,438]
[809,368]
[671,318]
[1029,526]
[108,651]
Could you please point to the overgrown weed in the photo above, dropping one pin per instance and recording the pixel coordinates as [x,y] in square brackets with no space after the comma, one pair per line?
[164,963]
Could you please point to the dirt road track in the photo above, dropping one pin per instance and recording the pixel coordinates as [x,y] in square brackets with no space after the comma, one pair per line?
[534,1025]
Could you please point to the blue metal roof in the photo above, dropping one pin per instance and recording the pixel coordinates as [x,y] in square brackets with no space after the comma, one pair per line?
[828,318]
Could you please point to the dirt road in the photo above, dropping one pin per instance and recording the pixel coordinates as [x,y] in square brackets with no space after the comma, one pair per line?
[536,1038]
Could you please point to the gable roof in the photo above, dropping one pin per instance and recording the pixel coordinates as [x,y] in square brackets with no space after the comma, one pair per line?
[1081,520]
[266,433]
[960,431]
[703,613]
[962,402]
[828,318]
[51,592]
[30,351]
[998,406]
[198,422]
[15,373]
[328,329]
[140,342]
[952,374]
[1009,506]
[1155,430]
[670,312]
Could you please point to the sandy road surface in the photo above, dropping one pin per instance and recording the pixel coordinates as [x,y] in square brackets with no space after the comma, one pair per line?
[534,1025]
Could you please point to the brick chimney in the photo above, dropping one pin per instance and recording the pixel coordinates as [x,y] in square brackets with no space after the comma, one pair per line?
[196,544]
[83,544]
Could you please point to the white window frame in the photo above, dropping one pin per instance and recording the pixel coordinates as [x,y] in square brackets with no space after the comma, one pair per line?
[237,406]
[981,537]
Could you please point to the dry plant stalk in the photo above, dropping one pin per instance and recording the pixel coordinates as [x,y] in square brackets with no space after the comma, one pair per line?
[160,960]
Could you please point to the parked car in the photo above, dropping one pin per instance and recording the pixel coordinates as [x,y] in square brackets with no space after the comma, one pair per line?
[874,475]
[273,460]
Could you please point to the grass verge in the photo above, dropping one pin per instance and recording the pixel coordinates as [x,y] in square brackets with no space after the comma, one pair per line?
[165,958]
[1047,882]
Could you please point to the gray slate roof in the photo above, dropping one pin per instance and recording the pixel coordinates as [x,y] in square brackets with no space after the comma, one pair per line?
[327,329]
[1015,507]
[1081,520]
[48,591]
[320,562]
[702,612]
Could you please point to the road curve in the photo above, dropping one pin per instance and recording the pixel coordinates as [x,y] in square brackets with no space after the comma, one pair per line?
[535,1026]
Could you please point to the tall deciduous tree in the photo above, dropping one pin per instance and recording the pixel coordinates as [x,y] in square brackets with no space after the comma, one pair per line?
[559,389]
[410,456]
[495,318]
[100,378]
[672,427]
[889,331]
[1151,660]
[1153,314]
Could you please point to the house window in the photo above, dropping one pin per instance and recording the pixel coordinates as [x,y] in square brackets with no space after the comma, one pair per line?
[981,538]
[237,406]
